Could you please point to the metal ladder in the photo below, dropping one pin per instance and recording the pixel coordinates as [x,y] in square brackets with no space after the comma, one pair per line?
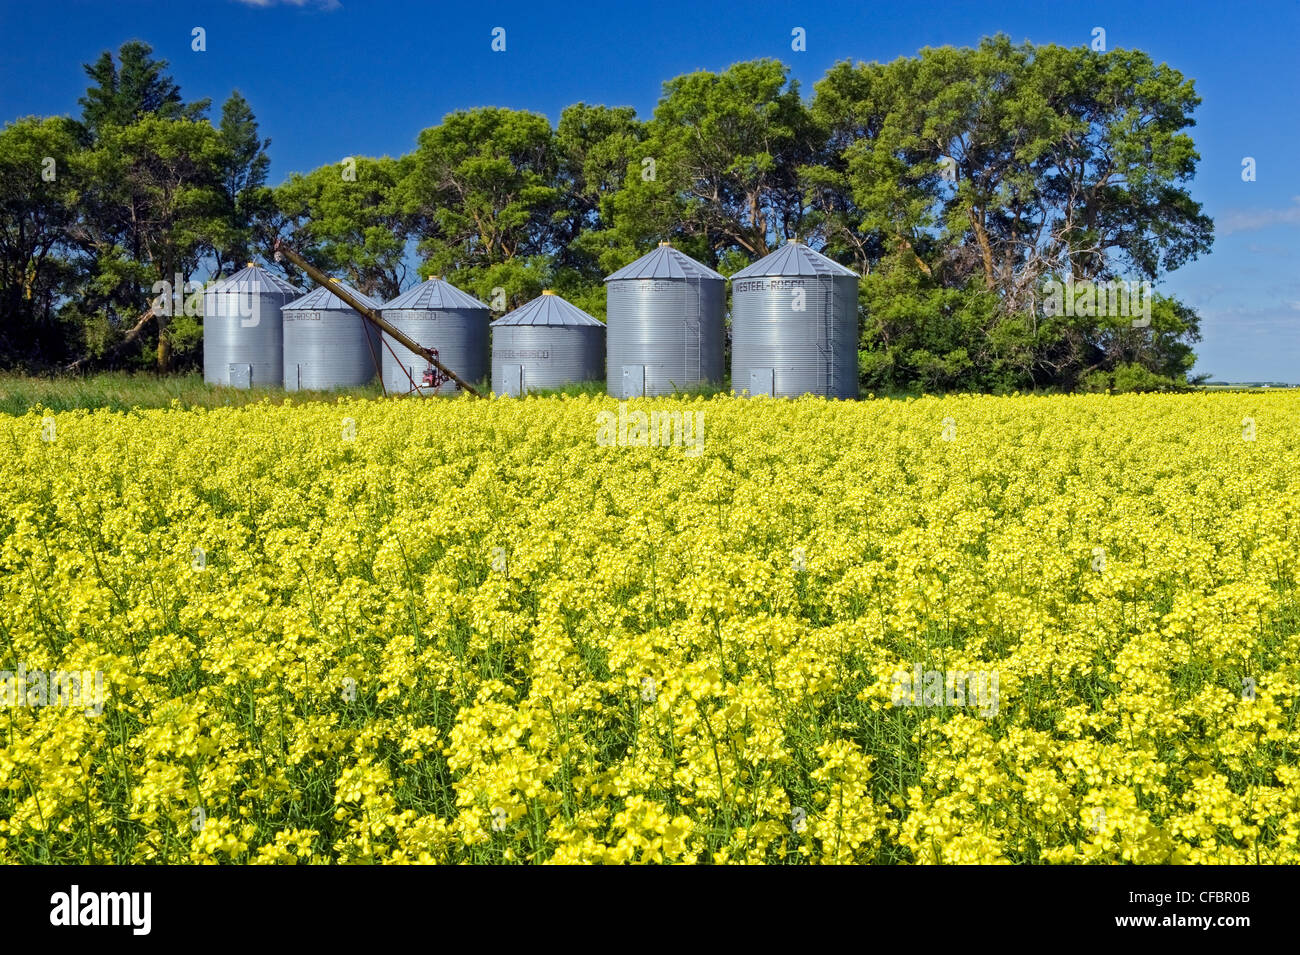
[827,342]
[692,331]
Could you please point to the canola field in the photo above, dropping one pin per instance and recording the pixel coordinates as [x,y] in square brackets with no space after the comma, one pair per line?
[969,629]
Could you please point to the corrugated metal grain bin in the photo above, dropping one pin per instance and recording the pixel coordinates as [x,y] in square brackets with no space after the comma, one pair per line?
[547,343]
[327,344]
[794,326]
[664,319]
[436,315]
[243,333]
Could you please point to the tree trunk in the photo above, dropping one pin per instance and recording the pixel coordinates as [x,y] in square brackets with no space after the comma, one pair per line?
[164,343]
[127,339]
[986,250]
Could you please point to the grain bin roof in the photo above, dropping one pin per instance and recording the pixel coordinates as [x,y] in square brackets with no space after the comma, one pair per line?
[793,258]
[547,309]
[255,280]
[433,295]
[665,262]
[321,299]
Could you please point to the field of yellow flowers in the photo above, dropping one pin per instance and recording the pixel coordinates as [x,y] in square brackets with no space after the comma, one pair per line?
[473,631]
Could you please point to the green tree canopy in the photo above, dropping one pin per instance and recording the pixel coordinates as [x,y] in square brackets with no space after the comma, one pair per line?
[486,202]
[134,86]
[958,182]
[347,219]
[40,183]
[250,205]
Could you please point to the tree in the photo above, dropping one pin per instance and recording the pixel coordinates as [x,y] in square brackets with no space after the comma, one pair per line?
[150,207]
[347,218]
[244,168]
[486,205]
[994,169]
[596,146]
[729,146]
[39,185]
[139,87]
[152,204]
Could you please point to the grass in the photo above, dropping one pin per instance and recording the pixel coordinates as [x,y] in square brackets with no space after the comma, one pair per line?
[597,388]
[122,391]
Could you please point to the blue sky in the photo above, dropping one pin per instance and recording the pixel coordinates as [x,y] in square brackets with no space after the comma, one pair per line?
[347,77]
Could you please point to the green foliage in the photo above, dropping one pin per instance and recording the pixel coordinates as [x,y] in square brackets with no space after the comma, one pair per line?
[155,187]
[249,204]
[597,145]
[186,334]
[346,218]
[719,165]
[134,87]
[987,171]
[956,182]
[40,181]
[484,198]
[1130,377]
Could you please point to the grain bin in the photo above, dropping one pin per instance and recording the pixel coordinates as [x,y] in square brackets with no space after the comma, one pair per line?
[664,324]
[327,344]
[243,334]
[440,316]
[547,343]
[794,326]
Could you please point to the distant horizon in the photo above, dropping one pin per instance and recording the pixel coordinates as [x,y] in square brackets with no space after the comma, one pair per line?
[1257,384]
[330,79]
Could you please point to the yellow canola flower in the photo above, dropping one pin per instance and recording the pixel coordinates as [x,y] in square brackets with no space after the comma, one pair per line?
[473,633]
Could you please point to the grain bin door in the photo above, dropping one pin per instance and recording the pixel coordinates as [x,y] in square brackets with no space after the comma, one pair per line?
[240,375]
[634,381]
[760,381]
[512,380]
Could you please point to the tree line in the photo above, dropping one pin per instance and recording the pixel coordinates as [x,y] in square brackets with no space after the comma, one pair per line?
[961,184]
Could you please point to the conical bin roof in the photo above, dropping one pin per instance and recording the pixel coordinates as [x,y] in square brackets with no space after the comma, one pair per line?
[321,299]
[547,309]
[255,280]
[794,258]
[665,262]
[434,295]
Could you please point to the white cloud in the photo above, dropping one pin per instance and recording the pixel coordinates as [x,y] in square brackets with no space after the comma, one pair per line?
[1277,318]
[1249,220]
[1281,251]
[264,4]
